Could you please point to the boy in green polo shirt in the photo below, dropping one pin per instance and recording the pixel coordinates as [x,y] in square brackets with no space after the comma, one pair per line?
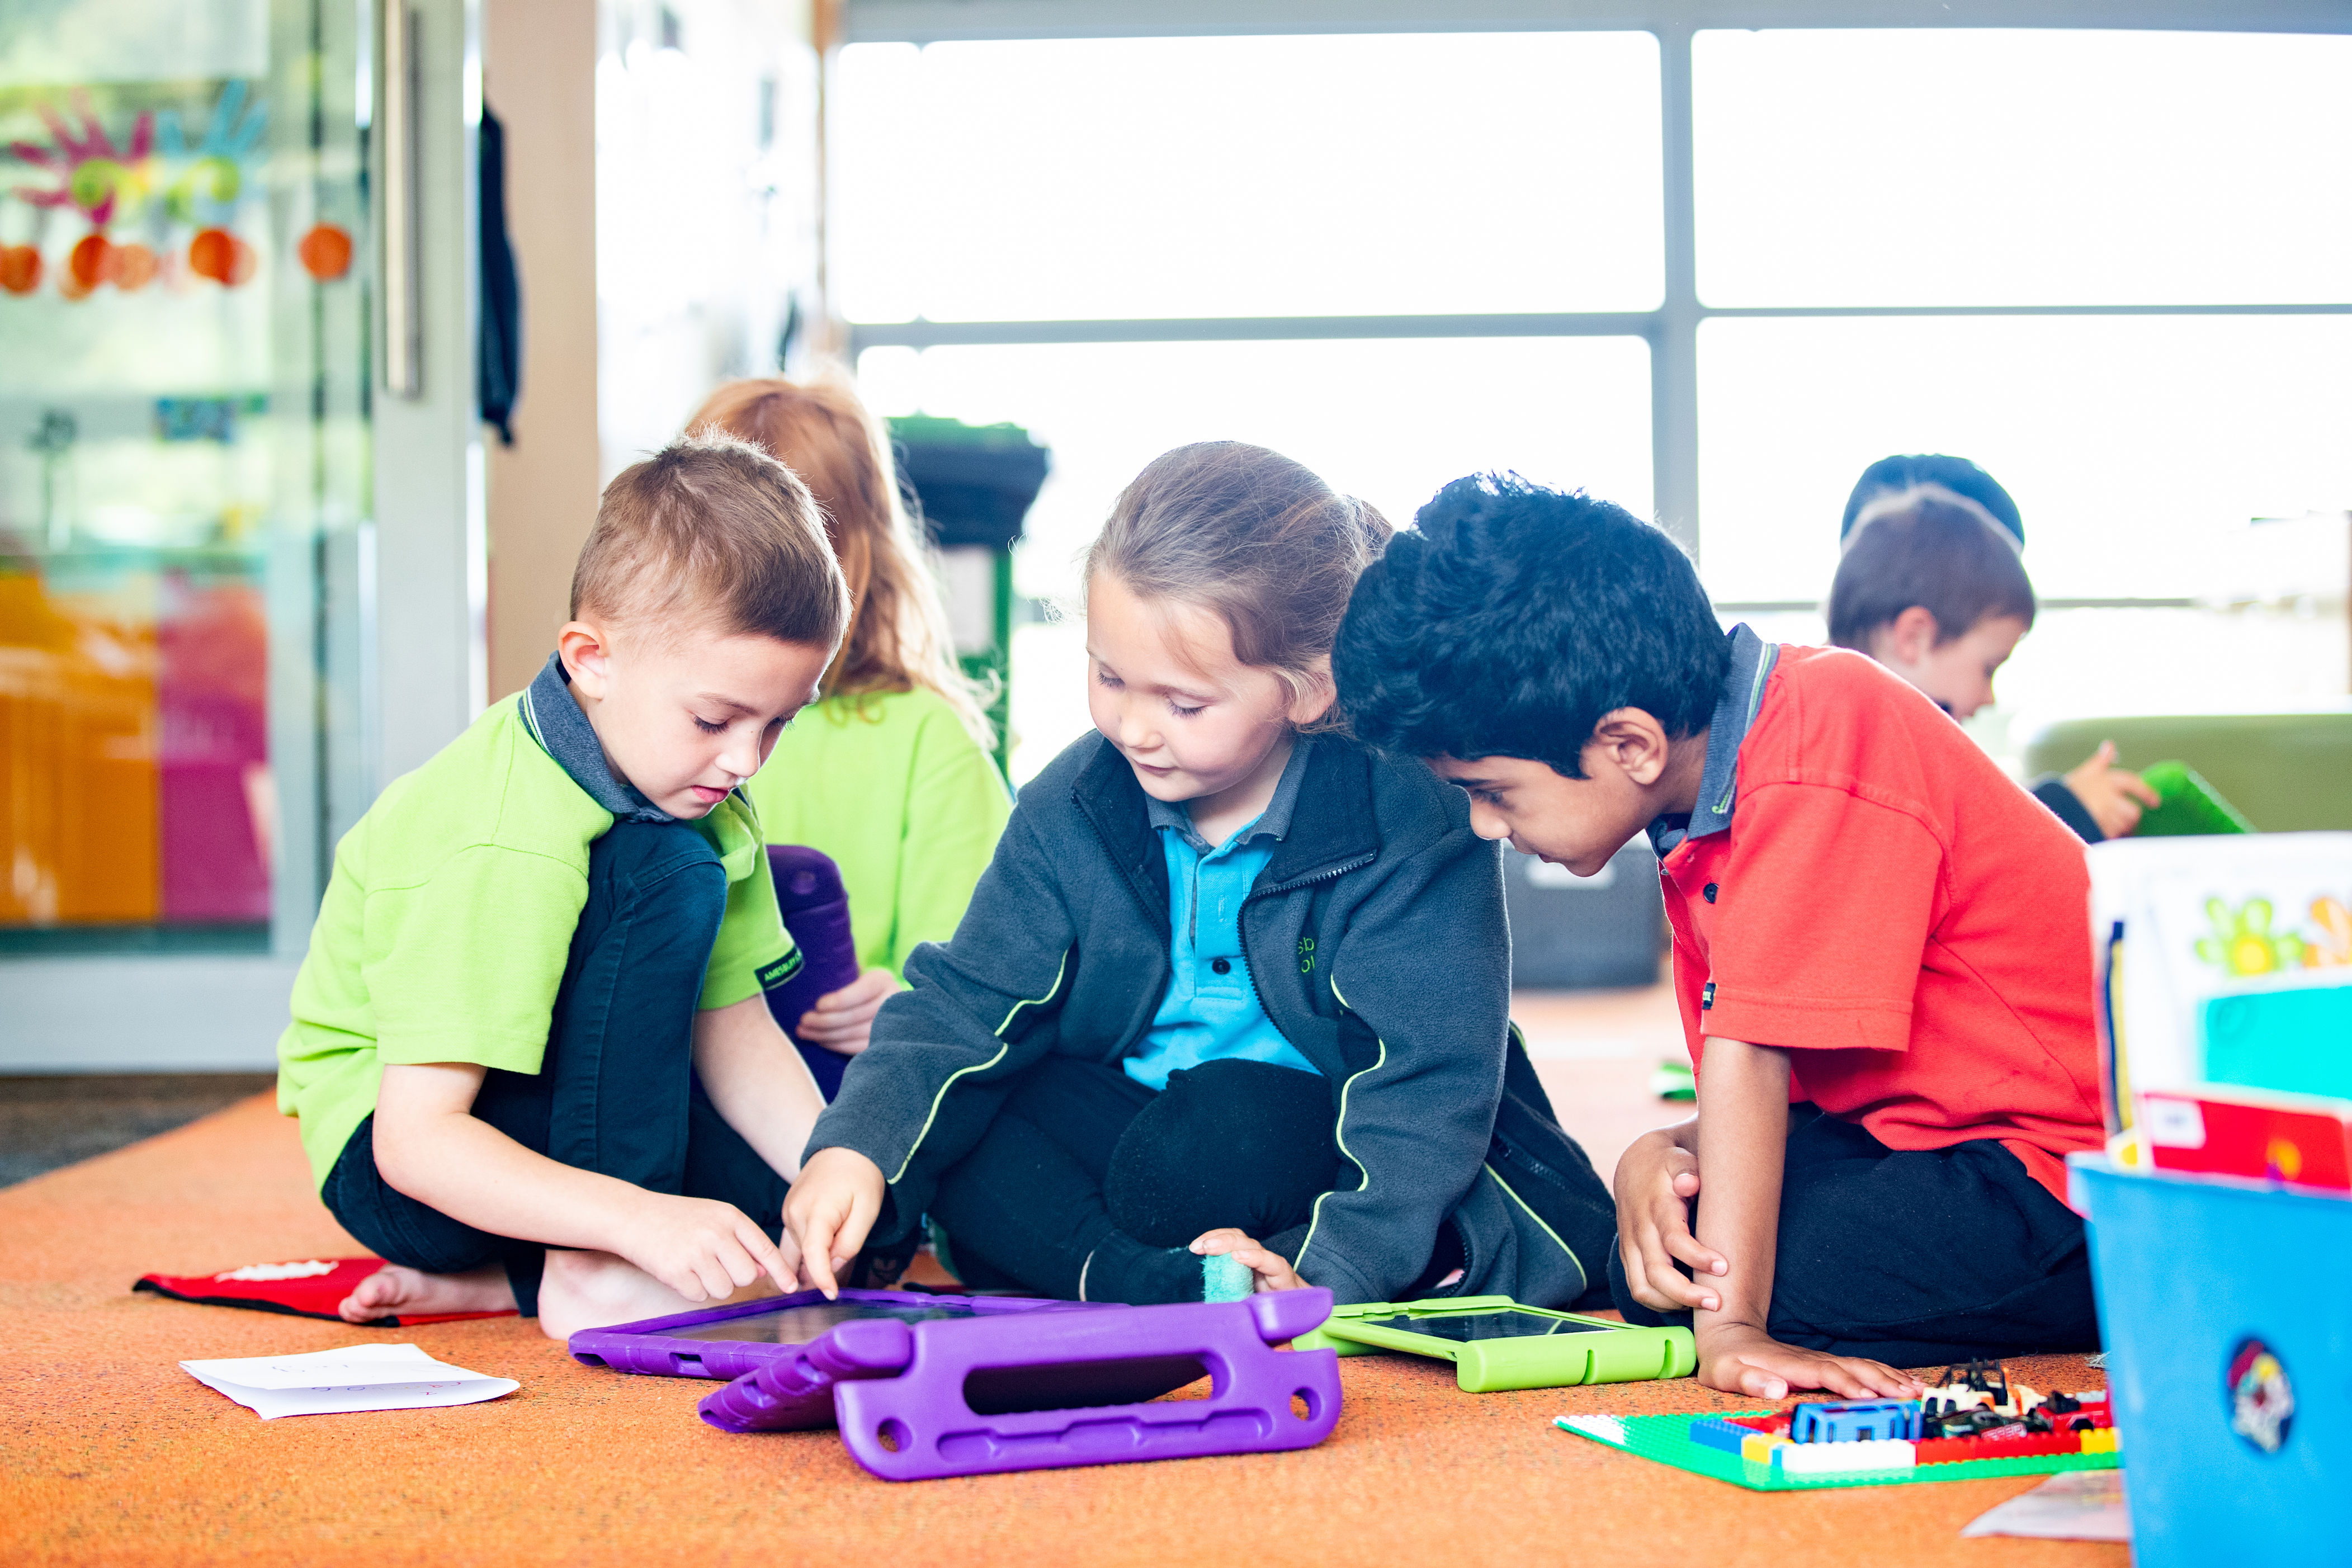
[531,1047]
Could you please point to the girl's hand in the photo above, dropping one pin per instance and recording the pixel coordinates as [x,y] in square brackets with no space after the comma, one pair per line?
[829,1212]
[1273,1270]
[842,1019]
[1737,1359]
[1656,1181]
[2113,796]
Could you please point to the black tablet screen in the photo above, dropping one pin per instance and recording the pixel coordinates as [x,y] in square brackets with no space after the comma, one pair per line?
[1488,1326]
[798,1325]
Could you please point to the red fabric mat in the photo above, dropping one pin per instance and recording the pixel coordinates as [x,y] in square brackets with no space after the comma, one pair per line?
[309,1288]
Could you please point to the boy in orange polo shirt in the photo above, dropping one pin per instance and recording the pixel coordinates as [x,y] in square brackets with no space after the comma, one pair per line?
[1881,949]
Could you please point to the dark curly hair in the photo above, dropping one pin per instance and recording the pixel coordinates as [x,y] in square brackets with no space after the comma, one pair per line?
[1513,616]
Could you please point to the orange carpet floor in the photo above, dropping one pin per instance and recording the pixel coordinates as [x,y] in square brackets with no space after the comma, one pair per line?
[108,1452]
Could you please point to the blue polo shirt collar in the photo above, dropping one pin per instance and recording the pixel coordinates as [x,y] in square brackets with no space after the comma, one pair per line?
[1273,822]
[563,733]
[1735,709]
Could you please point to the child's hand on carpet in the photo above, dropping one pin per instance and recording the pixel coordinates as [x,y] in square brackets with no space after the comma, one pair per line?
[1738,1359]
[1273,1270]
[1656,1181]
[829,1212]
[843,1020]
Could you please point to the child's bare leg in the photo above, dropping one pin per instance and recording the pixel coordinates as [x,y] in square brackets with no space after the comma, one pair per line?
[393,1290]
[594,1290]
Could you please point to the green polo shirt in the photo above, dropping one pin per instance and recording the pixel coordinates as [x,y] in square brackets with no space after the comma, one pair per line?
[448,920]
[893,787]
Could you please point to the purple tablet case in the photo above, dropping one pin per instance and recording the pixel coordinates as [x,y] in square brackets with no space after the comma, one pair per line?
[676,1346]
[971,1395]
[815,909]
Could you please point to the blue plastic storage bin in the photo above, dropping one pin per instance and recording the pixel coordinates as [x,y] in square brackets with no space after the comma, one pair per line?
[2224,1309]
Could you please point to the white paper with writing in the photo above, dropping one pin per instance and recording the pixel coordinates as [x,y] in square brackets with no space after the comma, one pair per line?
[356,1377]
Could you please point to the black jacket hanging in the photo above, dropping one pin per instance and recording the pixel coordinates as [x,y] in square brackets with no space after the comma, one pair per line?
[497,359]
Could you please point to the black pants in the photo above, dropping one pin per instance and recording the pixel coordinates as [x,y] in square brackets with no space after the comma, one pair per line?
[1086,1177]
[615,1092]
[1915,1258]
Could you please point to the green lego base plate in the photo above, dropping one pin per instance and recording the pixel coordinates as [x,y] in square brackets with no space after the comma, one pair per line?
[1666,1439]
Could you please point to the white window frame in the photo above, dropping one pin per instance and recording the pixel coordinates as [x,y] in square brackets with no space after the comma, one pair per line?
[1670,330]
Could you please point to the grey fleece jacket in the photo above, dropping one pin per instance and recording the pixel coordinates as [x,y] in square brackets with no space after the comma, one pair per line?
[1376,942]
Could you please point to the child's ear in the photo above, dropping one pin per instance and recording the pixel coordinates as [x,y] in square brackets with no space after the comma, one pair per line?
[1632,741]
[586,652]
[1315,699]
[1904,643]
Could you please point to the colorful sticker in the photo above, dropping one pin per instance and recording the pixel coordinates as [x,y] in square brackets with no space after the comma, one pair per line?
[2243,943]
[2261,1399]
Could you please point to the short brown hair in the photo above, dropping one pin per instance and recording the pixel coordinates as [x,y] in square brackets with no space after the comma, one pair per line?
[1938,553]
[1252,535]
[898,635]
[710,532]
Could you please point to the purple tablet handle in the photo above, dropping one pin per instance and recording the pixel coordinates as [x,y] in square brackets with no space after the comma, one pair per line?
[815,907]
[901,1392]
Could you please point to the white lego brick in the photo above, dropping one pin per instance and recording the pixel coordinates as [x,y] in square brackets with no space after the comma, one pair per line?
[1843,1458]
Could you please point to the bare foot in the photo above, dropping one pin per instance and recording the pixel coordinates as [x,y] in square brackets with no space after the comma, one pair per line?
[596,1290]
[394,1292]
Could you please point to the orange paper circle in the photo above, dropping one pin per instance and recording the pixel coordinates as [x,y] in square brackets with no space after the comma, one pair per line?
[134,267]
[325,252]
[20,268]
[91,261]
[213,254]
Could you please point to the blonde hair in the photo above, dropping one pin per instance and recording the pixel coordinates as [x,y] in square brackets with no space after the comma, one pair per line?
[711,531]
[1253,536]
[898,635]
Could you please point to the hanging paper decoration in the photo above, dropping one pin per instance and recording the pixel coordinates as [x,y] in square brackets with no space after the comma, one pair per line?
[220,256]
[112,184]
[103,180]
[20,268]
[325,252]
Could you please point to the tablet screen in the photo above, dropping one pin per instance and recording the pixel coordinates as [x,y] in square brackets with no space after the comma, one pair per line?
[798,1325]
[1487,1326]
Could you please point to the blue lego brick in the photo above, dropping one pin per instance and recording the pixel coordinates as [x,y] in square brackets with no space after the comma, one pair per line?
[1714,1432]
[1856,1421]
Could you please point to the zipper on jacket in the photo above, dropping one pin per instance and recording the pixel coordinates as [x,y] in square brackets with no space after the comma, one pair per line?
[1240,929]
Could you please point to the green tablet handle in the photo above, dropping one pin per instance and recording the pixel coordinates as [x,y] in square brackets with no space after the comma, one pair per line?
[2191,804]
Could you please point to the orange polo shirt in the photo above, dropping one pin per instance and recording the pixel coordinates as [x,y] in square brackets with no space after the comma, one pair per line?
[1886,905]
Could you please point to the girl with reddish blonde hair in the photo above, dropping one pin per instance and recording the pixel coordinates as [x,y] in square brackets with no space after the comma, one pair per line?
[890,774]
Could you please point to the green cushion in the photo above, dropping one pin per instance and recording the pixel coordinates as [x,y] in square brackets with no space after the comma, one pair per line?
[2287,772]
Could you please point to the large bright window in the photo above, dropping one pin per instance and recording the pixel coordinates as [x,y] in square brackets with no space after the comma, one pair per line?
[2007,167]
[2137,447]
[1301,176]
[1708,274]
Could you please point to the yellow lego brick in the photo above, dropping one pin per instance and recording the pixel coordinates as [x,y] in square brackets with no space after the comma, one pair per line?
[1759,1448]
[2102,1440]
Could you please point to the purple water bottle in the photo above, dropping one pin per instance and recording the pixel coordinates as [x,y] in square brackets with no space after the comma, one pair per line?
[815,908]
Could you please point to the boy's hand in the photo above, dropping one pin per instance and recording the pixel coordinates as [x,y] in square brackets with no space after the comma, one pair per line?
[1273,1270]
[2113,796]
[703,1249]
[829,1211]
[1657,1180]
[1737,1359]
[842,1019]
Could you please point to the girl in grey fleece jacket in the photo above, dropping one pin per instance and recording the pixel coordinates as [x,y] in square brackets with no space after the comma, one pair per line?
[1372,1125]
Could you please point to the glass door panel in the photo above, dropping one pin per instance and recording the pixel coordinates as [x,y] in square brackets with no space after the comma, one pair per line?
[183,429]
